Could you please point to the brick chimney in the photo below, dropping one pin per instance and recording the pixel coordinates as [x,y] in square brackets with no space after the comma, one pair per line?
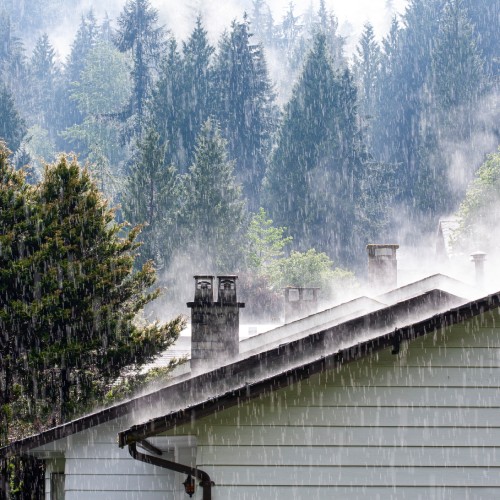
[382,266]
[214,324]
[300,302]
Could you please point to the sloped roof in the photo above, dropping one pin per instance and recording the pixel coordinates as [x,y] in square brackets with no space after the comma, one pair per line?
[353,346]
[281,363]
[435,281]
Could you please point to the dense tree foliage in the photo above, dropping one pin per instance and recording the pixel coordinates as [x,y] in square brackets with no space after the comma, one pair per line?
[102,91]
[311,269]
[197,84]
[213,211]
[44,75]
[85,40]
[12,127]
[313,181]
[479,210]
[418,93]
[151,198]
[366,69]
[166,111]
[139,33]
[432,77]
[12,57]
[266,243]
[244,105]
[69,296]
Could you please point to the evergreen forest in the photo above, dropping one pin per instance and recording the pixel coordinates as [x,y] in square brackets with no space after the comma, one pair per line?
[376,144]
[268,149]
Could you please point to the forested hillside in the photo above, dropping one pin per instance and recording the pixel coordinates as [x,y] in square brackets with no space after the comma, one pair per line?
[191,137]
[268,148]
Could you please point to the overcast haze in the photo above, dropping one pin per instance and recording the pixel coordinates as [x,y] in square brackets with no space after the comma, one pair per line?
[178,16]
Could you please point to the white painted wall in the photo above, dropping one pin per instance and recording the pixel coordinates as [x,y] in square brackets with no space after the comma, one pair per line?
[96,468]
[424,424]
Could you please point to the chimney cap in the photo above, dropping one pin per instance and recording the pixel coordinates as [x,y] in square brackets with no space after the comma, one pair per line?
[478,256]
[290,287]
[382,245]
[382,250]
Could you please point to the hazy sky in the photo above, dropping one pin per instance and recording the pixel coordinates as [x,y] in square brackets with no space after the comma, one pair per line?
[178,15]
[218,15]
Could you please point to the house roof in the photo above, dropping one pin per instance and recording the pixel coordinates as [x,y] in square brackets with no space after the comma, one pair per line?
[351,351]
[435,281]
[277,366]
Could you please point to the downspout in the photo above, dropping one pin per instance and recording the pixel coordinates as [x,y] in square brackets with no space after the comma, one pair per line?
[204,478]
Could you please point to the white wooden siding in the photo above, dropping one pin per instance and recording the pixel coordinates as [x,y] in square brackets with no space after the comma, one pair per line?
[423,424]
[96,468]
[94,463]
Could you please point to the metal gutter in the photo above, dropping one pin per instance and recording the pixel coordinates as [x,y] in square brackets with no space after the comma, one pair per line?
[206,483]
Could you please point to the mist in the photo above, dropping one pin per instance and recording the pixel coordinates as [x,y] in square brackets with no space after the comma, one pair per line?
[179,17]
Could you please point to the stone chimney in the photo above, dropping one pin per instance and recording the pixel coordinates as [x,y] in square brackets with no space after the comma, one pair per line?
[214,324]
[382,266]
[300,302]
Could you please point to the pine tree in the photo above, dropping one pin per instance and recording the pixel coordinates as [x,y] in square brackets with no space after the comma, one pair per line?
[290,31]
[182,99]
[457,66]
[15,209]
[84,42]
[245,106]
[85,39]
[152,198]
[327,23]
[213,212]
[103,90]
[387,112]
[400,136]
[44,75]
[367,72]
[265,244]
[313,180]
[431,68]
[485,17]
[197,82]
[456,82]
[12,126]
[72,306]
[138,32]
[12,57]
[166,109]
[261,20]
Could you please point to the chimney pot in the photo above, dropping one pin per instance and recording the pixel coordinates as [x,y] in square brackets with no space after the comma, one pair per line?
[300,302]
[227,289]
[204,289]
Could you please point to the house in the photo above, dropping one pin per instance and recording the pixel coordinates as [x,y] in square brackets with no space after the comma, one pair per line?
[392,396]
